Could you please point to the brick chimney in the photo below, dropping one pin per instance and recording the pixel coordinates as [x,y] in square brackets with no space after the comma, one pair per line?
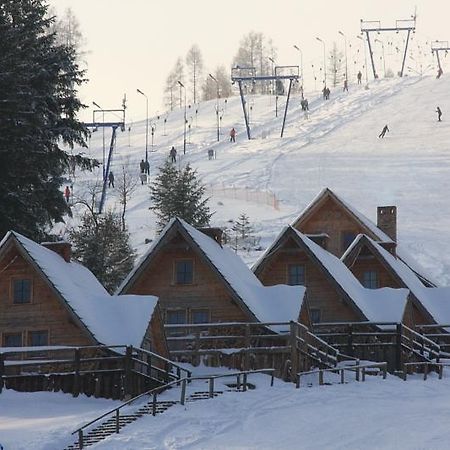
[63,248]
[213,233]
[387,220]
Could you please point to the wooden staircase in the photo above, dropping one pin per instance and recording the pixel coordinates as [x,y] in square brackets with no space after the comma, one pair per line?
[113,421]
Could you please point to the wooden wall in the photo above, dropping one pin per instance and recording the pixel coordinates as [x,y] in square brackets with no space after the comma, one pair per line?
[206,292]
[332,219]
[369,262]
[322,294]
[45,312]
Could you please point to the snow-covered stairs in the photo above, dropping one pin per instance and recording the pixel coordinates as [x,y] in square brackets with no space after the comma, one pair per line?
[108,427]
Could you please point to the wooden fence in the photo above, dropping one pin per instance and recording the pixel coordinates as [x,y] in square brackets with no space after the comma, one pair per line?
[103,371]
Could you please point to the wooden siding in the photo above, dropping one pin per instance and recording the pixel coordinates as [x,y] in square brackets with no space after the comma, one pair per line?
[322,294]
[44,312]
[333,219]
[370,263]
[206,292]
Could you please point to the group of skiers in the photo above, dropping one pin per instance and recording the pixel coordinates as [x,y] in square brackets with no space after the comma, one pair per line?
[145,167]
[326,93]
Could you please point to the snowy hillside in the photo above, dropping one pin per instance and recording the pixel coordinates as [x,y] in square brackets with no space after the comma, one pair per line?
[336,147]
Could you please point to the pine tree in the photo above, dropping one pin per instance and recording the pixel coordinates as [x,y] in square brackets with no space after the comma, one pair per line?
[194,63]
[38,114]
[179,193]
[102,247]
[242,226]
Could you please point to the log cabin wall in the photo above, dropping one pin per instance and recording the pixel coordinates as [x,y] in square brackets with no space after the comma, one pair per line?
[324,300]
[44,311]
[333,219]
[206,292]
[155,337]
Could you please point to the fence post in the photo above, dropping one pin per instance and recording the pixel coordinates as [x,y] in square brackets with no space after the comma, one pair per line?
[117,421]
[244,384]
[357,374]
[294,353]
[441,372]
[425,372]
[2,370]
[128,365]
[384,370]
[398,347]
[80,439]
[342,376]
[363,377]
[154,404]
[211,387]
[320,377]
[350,341]
[183,392]
[238,382]
[76,379]
[272,379]
[297,384]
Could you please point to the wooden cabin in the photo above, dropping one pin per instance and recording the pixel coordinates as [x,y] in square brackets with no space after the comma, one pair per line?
[334,294]
[333,224]
[197,280]
[376,267]
[48,300]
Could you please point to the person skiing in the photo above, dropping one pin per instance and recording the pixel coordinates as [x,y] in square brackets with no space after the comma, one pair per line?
[67,194]
[142,166]
[233,135]
[439,113]
[359,76]
[383,131]
[173,154]
[147,167]
[345,86]
[111,179]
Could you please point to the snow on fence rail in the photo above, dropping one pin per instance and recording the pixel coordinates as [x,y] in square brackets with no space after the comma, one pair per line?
[244,193]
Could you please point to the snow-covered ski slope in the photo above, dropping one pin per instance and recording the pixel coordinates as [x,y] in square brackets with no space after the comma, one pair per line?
[336,147]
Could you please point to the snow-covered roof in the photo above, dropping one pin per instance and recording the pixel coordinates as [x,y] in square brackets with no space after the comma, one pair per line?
[110,319]
[279,303]
[436,300]
[326,192]
[377,305]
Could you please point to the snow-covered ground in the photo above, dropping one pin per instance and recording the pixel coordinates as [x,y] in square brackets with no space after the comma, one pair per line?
[336,147]
[377,414]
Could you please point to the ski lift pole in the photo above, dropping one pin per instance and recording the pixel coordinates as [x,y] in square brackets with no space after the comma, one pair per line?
[286,107]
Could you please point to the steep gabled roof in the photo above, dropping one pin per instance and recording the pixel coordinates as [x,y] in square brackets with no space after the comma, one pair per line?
[376,305]
[363,221]
[263,303]
[434,301]
[108,319]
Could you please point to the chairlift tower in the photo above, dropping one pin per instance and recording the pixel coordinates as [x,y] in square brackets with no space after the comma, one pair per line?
[439,46]
[248,74]
[401,25]
[114,125]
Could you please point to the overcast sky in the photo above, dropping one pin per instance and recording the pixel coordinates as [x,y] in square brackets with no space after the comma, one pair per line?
[135,43]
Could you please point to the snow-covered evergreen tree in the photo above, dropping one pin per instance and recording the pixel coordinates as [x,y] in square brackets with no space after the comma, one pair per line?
[103,247]
[179,193]
[38,113]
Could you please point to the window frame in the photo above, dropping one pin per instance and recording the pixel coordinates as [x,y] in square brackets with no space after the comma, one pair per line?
[175,310]
[30,334]
[344,235]
[371,279]
[177,282]
[12,333]
[313,311]
[15,280]
[289,266]
[201,310]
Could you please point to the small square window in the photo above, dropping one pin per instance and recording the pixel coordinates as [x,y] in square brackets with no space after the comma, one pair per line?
[184,272]
[370,279]
[315,315]
[38,338]
[12,340]
[200,316]
[176,316]
[22,291]
[296,275]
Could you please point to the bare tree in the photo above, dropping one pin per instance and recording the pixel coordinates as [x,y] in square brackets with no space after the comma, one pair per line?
[194,63]
[335,65]
[126,184]
[176,74]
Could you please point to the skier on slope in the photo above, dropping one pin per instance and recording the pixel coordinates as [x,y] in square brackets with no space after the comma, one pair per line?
[142,166]
[359,76]
[233,135]
[173,154]
[111,179]
[439,113]
[383,131]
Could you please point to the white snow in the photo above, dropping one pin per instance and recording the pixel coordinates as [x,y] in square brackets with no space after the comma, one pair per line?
[379,414]
[111,319]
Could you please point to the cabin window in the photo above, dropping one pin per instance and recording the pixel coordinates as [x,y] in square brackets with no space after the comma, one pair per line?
[38,338]
[176,316]
[315,315]
[200,316]
[296,274]
[370,279]
[12,339]
[346,239]
[22,291]
[184,271]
